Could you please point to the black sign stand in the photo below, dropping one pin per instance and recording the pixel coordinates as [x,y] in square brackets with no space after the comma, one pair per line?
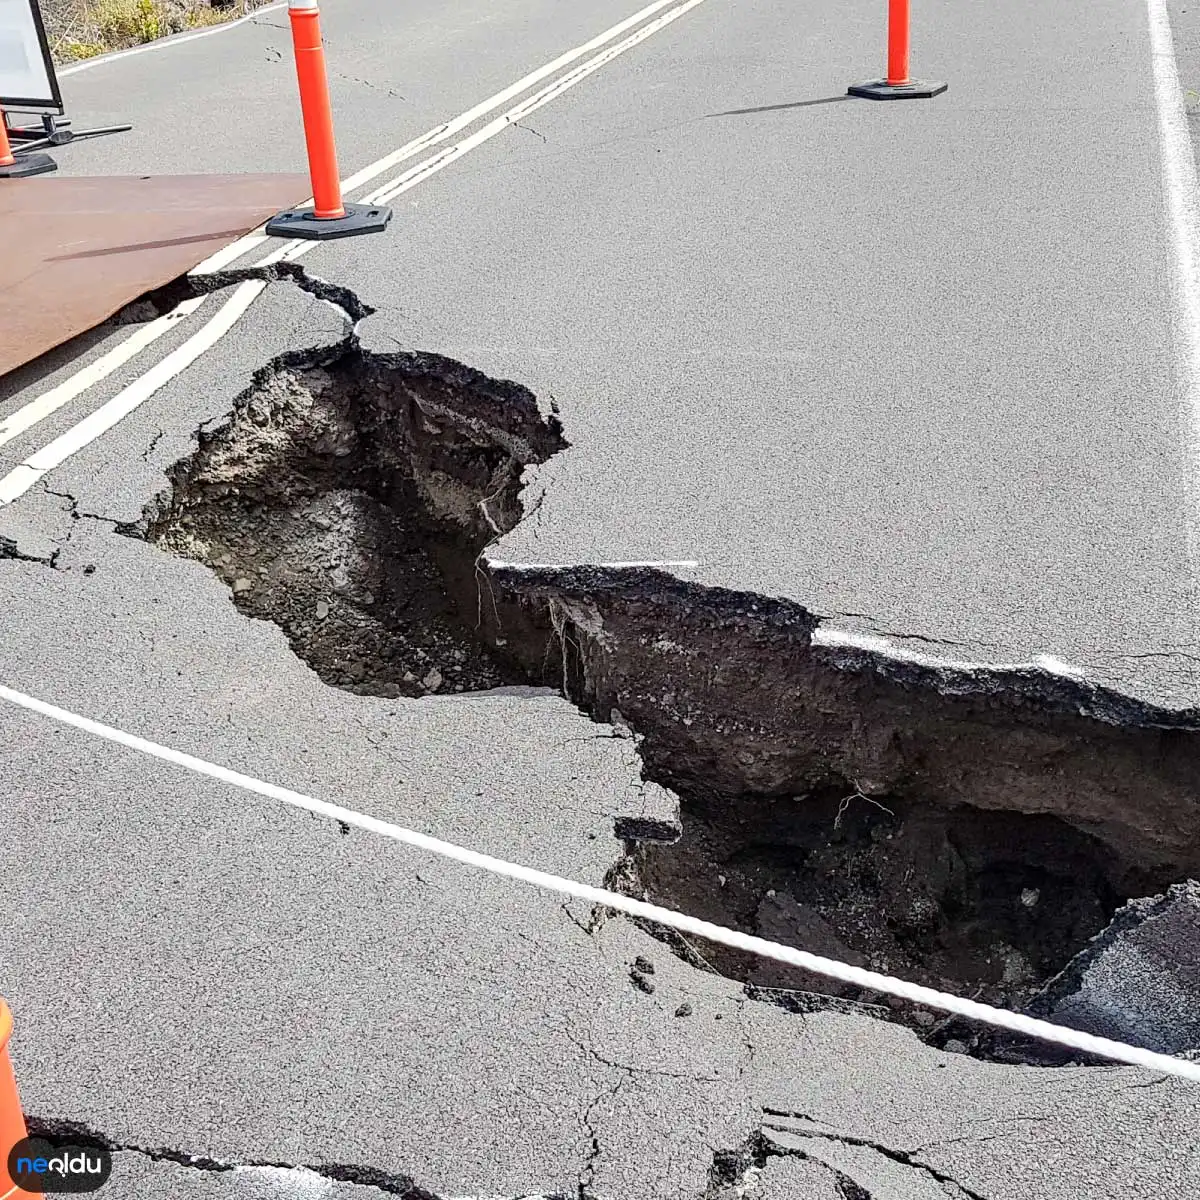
[54,130]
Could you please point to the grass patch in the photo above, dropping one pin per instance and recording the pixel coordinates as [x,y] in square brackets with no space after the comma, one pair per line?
[80,29]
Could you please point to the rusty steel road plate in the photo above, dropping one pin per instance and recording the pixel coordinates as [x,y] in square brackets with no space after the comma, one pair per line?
[74,251]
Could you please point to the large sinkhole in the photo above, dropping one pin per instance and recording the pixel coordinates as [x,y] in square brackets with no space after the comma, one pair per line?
[970,833]
[348,501]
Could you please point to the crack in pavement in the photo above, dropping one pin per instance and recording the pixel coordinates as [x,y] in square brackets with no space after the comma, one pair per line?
[588,1172]
[529,129]
[75,511]
[10,552]
[363,1176]
[10,548]
[691,1076]
[376,87]
[906,1158]
[158,437]
[1102,706]
[346,299]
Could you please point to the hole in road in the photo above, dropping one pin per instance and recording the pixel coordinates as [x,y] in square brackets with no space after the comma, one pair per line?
[348,503]
[985,904]
[971,830]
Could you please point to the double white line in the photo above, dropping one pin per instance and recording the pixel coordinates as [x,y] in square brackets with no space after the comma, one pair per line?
[18,481]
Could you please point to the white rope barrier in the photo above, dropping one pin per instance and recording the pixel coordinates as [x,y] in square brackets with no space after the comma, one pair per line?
[844,972]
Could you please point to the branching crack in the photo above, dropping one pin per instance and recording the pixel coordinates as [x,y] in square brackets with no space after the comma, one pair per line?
[11,549]
[364,1176]
[906,1158]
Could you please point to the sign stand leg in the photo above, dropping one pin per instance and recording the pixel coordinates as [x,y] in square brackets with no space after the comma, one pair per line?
[56,131]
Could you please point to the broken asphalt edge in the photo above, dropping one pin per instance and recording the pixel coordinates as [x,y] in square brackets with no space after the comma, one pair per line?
[1044,682]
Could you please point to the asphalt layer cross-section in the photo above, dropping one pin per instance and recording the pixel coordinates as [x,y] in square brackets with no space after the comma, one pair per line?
[910,366]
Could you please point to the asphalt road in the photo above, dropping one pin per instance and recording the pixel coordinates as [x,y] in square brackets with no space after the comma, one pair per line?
[919,363]
[930,346]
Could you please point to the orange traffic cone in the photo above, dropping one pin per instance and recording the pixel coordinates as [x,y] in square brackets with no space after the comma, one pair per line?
[330,216]
[12,167]
[897,85]
[12,1120]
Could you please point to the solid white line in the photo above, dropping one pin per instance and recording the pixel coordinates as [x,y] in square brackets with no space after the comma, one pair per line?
[17,482]
[872,643]
[23,477]
[615,566]
[166,43]
[1183,212]
[502,97]
[831,968]
[293,250]
[50,402]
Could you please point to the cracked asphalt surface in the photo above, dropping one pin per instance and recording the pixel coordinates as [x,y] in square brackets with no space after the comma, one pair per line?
[709,302]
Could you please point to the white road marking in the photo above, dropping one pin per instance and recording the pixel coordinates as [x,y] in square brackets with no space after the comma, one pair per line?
[167,43]
[872,643]
[43,406]
[495,563]
[829,967]
[50,402]
[532,104]
[1183,213]
[23,477]
[301,1183]
[18,481]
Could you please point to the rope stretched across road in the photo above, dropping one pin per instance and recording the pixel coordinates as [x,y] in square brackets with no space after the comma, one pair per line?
[832,969]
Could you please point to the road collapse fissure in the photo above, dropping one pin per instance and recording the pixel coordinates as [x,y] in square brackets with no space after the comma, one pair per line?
[967,829]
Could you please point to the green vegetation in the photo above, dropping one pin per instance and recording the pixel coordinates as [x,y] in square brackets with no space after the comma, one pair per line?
[84,28]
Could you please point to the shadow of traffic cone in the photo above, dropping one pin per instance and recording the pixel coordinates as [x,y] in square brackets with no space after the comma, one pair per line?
[13,167]
[12,1120]
[329,217]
